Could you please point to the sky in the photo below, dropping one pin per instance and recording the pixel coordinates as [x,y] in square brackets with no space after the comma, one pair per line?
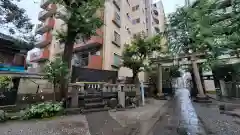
[32,8]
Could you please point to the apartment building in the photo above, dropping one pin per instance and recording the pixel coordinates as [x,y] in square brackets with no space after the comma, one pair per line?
[122,18]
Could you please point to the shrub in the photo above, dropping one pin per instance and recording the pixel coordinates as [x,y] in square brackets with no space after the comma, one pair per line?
[3,116]
[43,110]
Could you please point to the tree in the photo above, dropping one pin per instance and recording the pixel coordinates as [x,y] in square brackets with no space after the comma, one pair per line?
[14,19]
[207,26]
[82,21]
[135,55]
[54,72]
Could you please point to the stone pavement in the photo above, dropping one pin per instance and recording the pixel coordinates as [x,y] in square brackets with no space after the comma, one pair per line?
[66,125]
[180,118]
[141,118]
[101,123]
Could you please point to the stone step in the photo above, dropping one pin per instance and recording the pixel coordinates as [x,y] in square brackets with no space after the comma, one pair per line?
[70,111]
[92,100]
[94,105]
[95,110]
[93,95]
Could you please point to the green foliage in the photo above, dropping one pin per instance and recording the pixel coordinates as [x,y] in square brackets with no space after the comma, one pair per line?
[174,72]
[207,26]
[5,81]
[135,55]
[80,18]
[55,71]
[14,18]
[82,21]
[43,110]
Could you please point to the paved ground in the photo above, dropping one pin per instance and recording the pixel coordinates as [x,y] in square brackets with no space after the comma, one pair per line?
[180,118]
[67,125]
[141,119]
[101,123]
[143,113]
[216,123]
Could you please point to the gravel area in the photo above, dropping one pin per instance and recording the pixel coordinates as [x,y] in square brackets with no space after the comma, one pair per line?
[65,125]
[216,123]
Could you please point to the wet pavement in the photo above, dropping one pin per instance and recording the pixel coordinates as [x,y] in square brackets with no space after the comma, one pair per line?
[180,119]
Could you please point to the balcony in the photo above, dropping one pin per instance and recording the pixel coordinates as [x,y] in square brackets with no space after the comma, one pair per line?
[50,11]
[94,41]
[44,40]
[44,3]
[92,62]
[39,56]
[44,27]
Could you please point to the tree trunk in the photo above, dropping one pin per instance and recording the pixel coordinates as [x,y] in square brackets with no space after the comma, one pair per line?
[54,92]
[67,57]
[135,78]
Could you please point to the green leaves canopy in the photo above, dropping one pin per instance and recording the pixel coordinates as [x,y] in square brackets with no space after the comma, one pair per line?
[55,71]
[14,19]
[81,18]
[135,55]
[210,26]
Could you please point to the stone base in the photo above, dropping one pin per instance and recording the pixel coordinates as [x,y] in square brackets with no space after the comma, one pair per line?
[202,99]
[161,96]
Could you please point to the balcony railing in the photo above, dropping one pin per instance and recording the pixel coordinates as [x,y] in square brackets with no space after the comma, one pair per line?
[93,42]
[44,3]
[43,40]
[40,55]
[44,27]
[50,11]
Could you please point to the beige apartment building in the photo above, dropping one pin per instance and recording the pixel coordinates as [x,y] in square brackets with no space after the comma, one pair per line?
[122,18]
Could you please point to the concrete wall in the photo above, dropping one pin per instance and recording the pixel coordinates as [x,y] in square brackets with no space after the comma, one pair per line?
[29,86]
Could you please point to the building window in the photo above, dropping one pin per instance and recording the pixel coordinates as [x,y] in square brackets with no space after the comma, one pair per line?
[136,21]
[116,60]
[117,20]
[116,39]
[135,8]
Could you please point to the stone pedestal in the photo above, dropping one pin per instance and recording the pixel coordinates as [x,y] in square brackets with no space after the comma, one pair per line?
[160,84]
[121,98]
[74,95]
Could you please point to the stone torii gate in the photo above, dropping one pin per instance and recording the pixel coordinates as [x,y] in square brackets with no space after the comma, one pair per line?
[192,59]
